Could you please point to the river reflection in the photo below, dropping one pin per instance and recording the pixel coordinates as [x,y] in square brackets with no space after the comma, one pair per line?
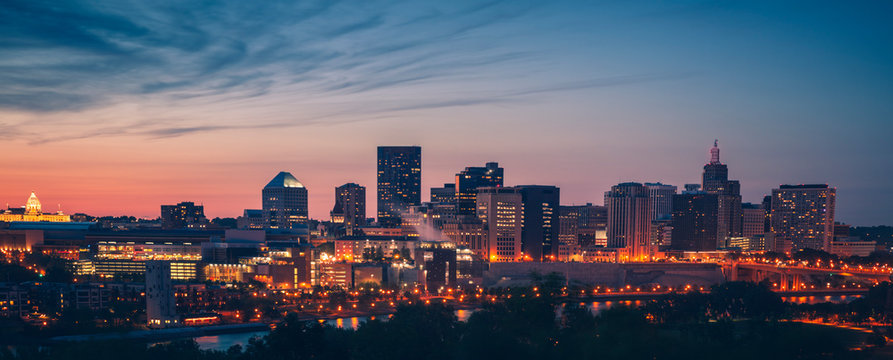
[820,299]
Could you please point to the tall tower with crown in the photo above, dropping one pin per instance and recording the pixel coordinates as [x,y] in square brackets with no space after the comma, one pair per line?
[716,181]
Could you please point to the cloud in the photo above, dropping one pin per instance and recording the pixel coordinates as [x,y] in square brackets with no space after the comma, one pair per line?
[73,56]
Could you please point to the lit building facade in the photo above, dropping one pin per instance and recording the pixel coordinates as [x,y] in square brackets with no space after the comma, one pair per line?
[500,210]
[540,224]
[284,201]
[183,215]
[445,194]
[472,178]
[351,248]
[350,207]
[845,248]
[399,182]
[32,213]
[753,218]
[161,305]
[469,234]
[629,221]
[715,180]
[803,216]
[580,226]
[661,200]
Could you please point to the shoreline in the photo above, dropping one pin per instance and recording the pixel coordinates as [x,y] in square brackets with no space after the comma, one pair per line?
[157,335]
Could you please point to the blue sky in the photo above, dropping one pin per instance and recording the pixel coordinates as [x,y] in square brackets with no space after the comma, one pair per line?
[160,96]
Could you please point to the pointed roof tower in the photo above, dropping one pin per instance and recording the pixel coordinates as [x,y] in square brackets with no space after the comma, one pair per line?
[284,180]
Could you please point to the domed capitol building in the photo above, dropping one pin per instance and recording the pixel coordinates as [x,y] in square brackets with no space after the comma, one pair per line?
[31,212]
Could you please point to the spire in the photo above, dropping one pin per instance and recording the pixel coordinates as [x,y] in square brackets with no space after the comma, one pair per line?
[714,153]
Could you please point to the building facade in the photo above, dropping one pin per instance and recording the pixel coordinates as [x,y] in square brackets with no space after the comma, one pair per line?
[695,221]
[472,178]
[445,194]
[32,213]
[803,216]
[399,182]
[185,215]
[715,180]
[500,211]
[284,202]
[540,224]
[629,221]
[161,305]
[350,207]
[661,200]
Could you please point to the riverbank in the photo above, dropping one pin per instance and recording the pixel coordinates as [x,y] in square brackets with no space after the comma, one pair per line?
[159,335]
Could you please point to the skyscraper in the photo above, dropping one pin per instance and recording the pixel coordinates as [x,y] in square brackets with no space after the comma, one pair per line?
[350,206]
[753,220]
[500,211]
[540,225]
[183,215]
[716,181]
[284,202]
[399,182]
[803,216]
[695,218]
[661,200]
[584,225]
[472,178]
[629,220]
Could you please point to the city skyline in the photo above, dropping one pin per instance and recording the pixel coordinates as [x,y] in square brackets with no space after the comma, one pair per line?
[322,214]
[114,109]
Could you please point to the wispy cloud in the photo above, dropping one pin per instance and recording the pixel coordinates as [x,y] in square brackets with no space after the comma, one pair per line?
[73,55]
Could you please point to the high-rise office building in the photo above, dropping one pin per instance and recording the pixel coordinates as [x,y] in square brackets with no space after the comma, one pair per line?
[767,207]
[803,216]
[350,207]
[445,194]
[284,202]
[501,211]
[594,226]
[583,225]
[629,221]
[399,182]
[661,200]
[753,220]
[695,218]
[539,227]
[568,245]
[715,180]
[472,178]
[183,215]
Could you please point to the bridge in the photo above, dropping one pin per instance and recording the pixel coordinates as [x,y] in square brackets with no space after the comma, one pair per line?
[792,277]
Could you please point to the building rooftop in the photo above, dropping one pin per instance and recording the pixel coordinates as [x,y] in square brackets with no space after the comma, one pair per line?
[284,180]
[805,186]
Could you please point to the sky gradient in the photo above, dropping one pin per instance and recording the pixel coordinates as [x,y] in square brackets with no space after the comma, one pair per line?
[117,107]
